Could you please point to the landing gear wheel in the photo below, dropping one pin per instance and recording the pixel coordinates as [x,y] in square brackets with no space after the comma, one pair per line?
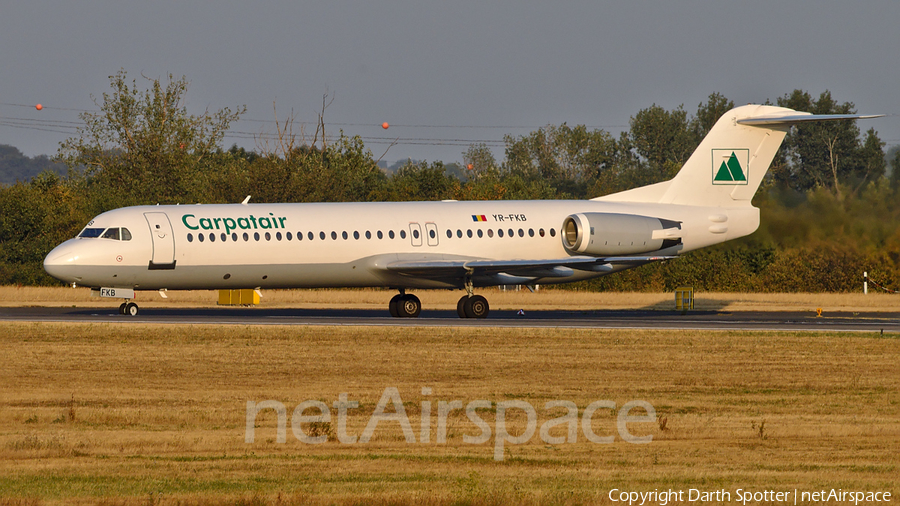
[461,306]
[131,309]
[409,306]
[392,306]
[122,308]
[476,306]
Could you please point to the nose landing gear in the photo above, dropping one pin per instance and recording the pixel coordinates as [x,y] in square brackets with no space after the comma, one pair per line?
[129,308]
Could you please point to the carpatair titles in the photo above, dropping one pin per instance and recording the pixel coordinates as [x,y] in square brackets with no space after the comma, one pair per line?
[228,224]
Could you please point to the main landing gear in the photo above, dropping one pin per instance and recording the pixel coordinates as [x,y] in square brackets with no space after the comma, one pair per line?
[129,308]
[471,305]
[405,305]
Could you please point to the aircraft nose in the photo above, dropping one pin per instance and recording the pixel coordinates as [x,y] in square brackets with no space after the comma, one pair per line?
[62,262]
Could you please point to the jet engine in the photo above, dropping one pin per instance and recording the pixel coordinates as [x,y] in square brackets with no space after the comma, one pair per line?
[608,234]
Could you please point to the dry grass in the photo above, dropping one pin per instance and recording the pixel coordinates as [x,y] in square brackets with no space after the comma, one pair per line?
[132,414]
[446,299]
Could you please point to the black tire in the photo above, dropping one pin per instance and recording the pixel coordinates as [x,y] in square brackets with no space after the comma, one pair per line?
[392,306]
[476,306]
[461,306]
[409,306]
[132,309]
[122,308]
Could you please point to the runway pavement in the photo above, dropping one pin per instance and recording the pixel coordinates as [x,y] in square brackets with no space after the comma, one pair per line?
[637,319]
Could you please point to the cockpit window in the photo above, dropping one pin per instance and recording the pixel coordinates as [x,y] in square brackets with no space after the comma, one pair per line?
[118,234]
[91,232]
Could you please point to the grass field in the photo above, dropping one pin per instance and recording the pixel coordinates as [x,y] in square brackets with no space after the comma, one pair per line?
[500,300]
[130,414]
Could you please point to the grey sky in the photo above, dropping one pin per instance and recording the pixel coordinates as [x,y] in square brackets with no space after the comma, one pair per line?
[455,67]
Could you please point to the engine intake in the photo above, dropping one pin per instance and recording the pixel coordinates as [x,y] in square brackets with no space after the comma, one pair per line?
[607,234]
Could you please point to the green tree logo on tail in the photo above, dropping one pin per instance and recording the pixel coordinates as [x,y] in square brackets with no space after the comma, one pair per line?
[730,166]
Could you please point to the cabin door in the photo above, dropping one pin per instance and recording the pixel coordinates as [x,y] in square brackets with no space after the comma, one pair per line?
[163,256]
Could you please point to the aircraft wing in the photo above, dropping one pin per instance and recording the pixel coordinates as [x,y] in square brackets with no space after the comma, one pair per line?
[556,268]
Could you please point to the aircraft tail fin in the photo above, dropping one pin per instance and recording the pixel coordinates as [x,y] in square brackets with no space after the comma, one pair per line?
[728,166]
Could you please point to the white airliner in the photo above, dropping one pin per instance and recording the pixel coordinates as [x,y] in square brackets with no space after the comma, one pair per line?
[449,245]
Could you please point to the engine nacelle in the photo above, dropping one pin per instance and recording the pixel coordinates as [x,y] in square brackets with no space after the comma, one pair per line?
[610,234]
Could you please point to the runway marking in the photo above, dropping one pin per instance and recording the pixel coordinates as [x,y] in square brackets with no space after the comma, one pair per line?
[621,320]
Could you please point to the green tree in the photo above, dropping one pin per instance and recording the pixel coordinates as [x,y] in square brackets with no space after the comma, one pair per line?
[568,158]
[663,139]
[423,181]
[893,155]
[708,113]
[34,217]
[15,166]
[143,146]
[827,154]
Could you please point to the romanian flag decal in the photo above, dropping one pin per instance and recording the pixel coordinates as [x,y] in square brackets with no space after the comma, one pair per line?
[478,217]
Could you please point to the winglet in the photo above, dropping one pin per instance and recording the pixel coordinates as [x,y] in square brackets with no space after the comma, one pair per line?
[246,200]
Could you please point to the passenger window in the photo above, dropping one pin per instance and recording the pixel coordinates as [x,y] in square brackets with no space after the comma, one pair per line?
[126,235]
[212,237]
[234,236]
[541,232]
[246,237]
[415,234]
[511,233]
[190,237]
[391,234]
[322,235]
[333,235]
[112,233]
[449,234]
[289,236]
[368,234]
[480,233]
[344,235]
[491,232]
[403,234]
[278,235]
[255,236]
[459,233]
[469,233]
[356,234]
[268,236]
[530,232]
[431,233]
[200,237]
[499,232]
[521,233]
[223,237]
[552,232]
[379,234]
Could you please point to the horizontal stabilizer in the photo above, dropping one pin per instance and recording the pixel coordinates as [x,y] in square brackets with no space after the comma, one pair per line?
[800,118]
